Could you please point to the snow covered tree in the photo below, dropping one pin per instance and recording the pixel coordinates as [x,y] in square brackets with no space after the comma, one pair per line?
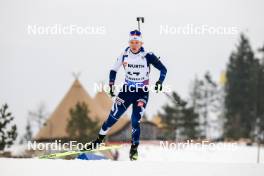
[80,126]
[38,116]
[204,97]
[8,132]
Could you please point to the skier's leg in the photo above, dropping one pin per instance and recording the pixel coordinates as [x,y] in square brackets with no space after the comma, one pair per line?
[122,102]
[119,107]
[138,111]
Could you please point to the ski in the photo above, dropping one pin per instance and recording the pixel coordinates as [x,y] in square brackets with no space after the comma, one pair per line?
[70,153]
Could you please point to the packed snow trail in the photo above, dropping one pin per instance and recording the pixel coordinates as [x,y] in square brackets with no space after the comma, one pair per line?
[32,167]
[154,160]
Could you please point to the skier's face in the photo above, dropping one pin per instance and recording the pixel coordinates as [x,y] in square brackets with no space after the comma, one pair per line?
[135,45]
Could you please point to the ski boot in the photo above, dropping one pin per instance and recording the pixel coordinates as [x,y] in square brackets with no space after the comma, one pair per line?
[94,144]
[133,153]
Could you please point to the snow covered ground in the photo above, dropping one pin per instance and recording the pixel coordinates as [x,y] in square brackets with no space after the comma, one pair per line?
[220,153]
[28,167]
[154,160]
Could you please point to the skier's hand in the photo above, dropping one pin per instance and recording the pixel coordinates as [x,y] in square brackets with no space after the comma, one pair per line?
[111,91]
[158,86]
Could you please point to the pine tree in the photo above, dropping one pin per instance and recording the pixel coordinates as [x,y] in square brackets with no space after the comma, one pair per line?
[80,126]
[241,92]
[8,133]
[28,134]
[260,100]
[181,122]
[190,123]
[171,117]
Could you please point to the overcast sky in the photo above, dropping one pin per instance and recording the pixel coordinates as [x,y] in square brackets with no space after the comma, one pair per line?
[38,68]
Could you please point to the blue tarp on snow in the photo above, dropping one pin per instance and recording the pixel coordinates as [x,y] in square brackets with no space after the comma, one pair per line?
[90,156]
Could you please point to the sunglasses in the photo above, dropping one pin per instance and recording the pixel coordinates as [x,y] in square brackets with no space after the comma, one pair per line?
[138,33]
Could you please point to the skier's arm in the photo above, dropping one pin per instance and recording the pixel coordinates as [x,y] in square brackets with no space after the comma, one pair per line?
[114,69]
[154,60]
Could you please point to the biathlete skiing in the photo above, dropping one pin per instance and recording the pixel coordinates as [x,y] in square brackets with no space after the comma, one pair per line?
[135,91]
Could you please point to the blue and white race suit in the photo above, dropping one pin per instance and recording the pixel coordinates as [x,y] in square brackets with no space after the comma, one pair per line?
[134,92]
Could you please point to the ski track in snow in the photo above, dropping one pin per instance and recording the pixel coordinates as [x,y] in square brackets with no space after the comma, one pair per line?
[154,161]
[28,167]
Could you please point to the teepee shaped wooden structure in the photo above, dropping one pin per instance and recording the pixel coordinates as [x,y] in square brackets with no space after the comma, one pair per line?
[55,126]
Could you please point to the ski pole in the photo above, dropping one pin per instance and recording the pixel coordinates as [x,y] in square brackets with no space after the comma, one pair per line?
[140,19]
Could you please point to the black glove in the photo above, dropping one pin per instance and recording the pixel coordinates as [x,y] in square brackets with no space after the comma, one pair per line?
[111,91]
[158,86]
